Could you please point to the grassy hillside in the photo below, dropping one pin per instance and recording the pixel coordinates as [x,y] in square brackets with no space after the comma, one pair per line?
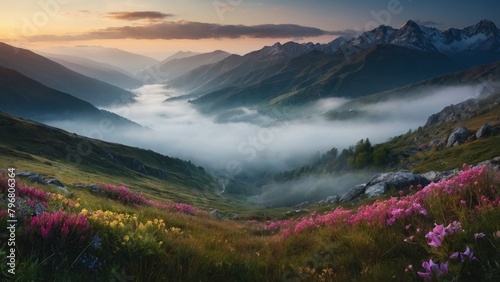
[30,146]
[448,230]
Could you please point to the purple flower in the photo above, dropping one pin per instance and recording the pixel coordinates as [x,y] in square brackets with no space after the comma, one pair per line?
[439,230]
[430,267]
[434,240]
[467,255]
[454,255]
[479,235]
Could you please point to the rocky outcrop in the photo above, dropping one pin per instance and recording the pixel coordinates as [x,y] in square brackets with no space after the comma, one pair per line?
[436,176]
[393,180]
[330,200]
[42,180]
[376,189]
[457,136]
[454,113]
[32,177]
[484,131]
[216,214]
[54,181]
[352,193]
[132,163]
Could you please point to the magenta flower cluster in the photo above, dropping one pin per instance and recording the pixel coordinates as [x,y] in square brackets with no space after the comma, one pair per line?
[174,207]
[387,212]
[122,194]
[59,225]
[128,197]
[436,236]
[33,194]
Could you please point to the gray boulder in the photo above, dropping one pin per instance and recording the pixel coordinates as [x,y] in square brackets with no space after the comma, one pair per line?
[484,131]
[376,189]
[32,176]
[296,212]
[329,200]
[436,176]
[352,193]
[55,182]
[332,199]
[393,180]
[454,113]
[457,136]
[216,214]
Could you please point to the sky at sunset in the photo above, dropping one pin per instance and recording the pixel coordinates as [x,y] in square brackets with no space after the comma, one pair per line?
[158,28]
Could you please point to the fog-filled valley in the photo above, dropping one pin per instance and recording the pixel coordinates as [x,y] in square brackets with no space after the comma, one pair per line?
[258,144]
[264,141]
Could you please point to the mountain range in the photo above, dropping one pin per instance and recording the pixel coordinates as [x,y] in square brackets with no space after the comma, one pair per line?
[27,98]
[377,60]
[60,78]
[101,71]
[180,63]
[129,62]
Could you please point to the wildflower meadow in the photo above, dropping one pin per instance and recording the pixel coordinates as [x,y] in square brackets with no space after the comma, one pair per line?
[445,231]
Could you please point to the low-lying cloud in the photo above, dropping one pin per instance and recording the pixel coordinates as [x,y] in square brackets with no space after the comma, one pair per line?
[311,188]
[258,143]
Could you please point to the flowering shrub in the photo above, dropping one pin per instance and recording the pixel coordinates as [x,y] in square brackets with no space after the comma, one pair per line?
[122,194]
[59,227]
[33,193]
[175,207]
[127,229]
[128,197]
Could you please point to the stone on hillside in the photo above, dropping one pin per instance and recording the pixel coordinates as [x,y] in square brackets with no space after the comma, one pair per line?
[332,199]
[32,176]
[376,189]
[216,214]
[94,188]
[454,113]
[296,212]
[436,176]
[393,180]
[484,131]
[352,193]
[457,136]
[302,204]
[55,182]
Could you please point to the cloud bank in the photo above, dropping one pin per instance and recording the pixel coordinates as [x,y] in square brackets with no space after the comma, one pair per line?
[133,16]
[190,30]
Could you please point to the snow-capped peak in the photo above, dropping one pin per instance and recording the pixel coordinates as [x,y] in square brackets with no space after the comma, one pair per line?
[483,36]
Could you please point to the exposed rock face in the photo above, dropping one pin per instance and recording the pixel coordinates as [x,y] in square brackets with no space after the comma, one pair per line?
[352,193]
[216,214]
[32,176]
[436,176]
[54,181]
[457,136]
[393,180]
[484,131]
[134,164]
[330,200]
[296,212]
[454,113]
[376,189]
